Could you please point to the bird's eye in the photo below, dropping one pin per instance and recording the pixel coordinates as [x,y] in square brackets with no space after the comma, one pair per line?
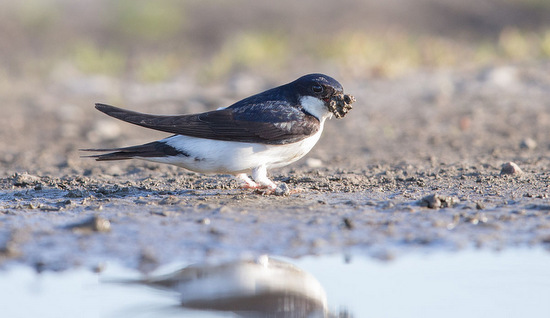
[317,88]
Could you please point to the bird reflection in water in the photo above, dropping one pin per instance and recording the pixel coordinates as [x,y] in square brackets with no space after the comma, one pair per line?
[263,287]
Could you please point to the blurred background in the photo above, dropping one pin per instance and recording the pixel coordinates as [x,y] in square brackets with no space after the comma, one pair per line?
[157,41]
[58,57]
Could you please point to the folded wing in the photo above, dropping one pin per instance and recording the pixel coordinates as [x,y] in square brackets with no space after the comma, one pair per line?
[271,123]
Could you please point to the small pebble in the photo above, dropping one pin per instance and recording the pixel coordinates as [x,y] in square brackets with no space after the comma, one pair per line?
[282,189]
[148,261]
[170,200]
[93,224]
[99,267]
[436,201]
[314,163]
[24,179]
[528,144]
[104,130]
[204,221]
[503,76]
[510,168]
[77,193]
[348,223]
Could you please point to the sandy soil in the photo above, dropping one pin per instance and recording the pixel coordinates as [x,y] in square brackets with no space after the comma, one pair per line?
[365,186]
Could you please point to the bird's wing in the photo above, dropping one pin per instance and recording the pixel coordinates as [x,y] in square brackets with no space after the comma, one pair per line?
[268,123]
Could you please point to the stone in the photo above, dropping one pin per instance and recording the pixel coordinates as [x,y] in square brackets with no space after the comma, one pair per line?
[510,168]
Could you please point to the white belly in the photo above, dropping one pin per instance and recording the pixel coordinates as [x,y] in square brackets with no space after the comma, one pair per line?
[215,156]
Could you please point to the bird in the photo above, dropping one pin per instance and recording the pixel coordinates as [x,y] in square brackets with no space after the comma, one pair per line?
[268,130]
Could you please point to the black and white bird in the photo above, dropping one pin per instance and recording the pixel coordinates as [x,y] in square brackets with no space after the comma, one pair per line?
[267,130]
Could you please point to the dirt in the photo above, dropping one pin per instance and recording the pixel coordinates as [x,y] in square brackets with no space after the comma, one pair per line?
[340,105]
[415,166]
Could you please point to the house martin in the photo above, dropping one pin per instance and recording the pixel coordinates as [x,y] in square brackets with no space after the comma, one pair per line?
[267,130]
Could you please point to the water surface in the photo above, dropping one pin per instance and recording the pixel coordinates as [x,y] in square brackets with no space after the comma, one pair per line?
[511,283]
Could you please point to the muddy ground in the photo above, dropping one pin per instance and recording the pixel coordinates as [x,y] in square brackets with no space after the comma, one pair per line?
[442,133]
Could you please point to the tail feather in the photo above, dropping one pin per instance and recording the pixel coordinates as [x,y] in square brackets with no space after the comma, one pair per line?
[149,150]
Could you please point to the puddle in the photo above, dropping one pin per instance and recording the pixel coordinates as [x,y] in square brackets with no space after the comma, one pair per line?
[511,283]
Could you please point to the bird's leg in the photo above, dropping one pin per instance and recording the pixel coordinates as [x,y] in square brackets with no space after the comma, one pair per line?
[259,175]
[263,186]
[248,183]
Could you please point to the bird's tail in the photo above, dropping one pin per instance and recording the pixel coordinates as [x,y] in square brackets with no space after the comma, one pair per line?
[149,150]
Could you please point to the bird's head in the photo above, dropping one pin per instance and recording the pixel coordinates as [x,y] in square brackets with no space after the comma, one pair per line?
[321,96]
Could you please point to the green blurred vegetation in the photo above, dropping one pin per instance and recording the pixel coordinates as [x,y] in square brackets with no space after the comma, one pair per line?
[91,59]
[264,51]
[396,53]
[357,53]
[148,20]
[158,68]
[154,41]
[37,16]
